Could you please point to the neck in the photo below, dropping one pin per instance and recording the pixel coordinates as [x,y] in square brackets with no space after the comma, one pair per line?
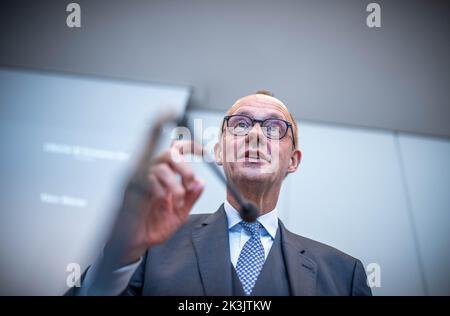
[264,199]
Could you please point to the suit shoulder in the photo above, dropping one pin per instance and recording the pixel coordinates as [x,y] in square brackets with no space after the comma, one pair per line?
[340,273]
[320,251]
[195,219]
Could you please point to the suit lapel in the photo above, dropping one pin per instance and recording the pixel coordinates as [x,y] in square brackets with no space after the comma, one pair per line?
[210,239]
[301,270]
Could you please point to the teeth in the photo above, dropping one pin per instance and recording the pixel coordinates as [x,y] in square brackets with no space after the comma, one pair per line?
[253,157]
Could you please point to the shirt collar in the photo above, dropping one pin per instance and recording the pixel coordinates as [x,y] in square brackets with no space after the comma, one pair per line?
[269,220]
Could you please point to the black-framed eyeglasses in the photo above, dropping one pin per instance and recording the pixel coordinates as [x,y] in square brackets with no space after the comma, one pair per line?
[273,128]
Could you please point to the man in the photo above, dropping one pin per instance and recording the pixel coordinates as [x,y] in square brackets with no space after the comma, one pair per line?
[172,253]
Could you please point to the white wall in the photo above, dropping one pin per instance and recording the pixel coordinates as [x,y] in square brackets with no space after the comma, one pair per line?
[427,174]
[319,56]
[377,195]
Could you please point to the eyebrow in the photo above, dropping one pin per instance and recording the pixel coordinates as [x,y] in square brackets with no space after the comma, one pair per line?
[271,116]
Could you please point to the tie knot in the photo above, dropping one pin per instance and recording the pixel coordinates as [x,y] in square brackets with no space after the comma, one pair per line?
[252,228]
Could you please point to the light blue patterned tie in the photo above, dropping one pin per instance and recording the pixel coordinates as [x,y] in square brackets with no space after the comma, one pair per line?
[251,258]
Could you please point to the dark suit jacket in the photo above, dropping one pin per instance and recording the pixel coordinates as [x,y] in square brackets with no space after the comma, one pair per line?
[196,261]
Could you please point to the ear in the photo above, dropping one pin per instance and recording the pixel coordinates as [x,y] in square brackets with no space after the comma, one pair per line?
[294,161]
[218,154]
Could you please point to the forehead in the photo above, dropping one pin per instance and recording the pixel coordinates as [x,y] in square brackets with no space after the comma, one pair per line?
[259,107]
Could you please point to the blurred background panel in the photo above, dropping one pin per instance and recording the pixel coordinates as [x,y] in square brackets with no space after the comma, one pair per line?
[372,106]
[68,145]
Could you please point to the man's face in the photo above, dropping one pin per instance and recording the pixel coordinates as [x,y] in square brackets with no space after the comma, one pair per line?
[254,157]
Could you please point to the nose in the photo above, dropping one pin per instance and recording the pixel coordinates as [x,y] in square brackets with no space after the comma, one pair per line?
[256,135]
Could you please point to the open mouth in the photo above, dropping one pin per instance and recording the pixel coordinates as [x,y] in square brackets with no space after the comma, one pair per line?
[255,156]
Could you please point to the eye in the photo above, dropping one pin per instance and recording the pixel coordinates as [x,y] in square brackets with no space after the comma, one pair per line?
[239,123]
[241,127]
[242,124]
[275,128]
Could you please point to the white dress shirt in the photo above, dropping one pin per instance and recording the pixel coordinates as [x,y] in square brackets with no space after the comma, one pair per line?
[238,236]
